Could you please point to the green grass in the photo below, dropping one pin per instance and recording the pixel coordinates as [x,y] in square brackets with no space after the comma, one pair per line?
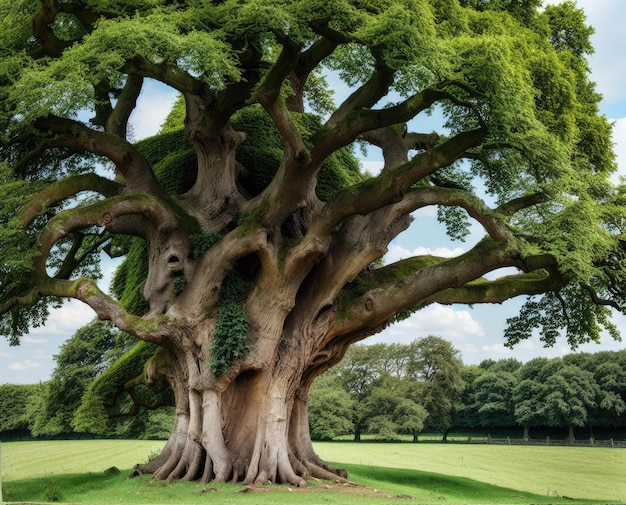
[578,472]
[73,471]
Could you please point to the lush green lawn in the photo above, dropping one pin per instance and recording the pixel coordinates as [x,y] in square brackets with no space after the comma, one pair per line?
[432,473]
[577,472]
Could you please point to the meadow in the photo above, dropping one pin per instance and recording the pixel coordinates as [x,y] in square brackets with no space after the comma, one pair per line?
[75,471]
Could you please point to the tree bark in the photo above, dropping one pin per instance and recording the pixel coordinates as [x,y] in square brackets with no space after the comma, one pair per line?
[251,426]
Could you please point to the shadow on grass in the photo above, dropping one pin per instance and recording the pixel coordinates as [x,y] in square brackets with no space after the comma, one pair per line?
[55,488]
[393,484]
[427,486]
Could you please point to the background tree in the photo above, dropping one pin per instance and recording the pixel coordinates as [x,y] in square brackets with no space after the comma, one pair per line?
[359,374]
[390,410]
[570,394]
[331,409]
[252,274]
[437,366]
[529,394]
[466,416]
[16,405]
[85,355]
[492,398]
[609,372]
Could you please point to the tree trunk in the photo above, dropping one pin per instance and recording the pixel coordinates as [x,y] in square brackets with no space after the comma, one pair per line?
[570,436]
[526,433]
[252,427]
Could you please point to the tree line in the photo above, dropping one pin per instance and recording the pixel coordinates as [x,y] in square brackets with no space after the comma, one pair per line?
[389,390]
[392,390]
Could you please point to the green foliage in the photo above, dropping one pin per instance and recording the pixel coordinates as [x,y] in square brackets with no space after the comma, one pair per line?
[492,398]
[396,389]
[15,405]
[262,151]
[104,394]
[230,338]
[130,277]
[571,308]
[570,394]
[330,409]
[80,360]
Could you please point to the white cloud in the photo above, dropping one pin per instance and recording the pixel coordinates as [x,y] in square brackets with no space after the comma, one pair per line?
[457,326]
[24,365]
[63,321]
[498,349]
[31,340]
[397,252]
[41,354]
[372,167]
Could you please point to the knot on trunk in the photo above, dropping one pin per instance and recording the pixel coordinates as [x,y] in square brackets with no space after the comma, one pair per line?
[105,219]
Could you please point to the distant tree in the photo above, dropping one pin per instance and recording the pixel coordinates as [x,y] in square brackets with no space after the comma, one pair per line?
[511,365]
[411,417]
[331,409]
[466,416]
[16,401]
[570,394]
[610,409]
[533,369]
[486,364]
[80,360]
[359,373]
[390,412]
[492,398]
[527,397]
[437,365]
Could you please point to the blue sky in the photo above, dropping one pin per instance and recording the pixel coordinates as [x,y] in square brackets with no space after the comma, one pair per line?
[476,332]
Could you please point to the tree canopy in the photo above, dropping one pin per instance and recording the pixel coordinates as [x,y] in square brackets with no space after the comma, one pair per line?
[252,239]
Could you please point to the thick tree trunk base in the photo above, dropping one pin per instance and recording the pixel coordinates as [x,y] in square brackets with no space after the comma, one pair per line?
[250,433]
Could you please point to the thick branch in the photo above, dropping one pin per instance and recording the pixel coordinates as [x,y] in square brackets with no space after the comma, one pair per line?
[203,288]
[498,290]
[367,95]
[309,60]
[361,120]
[117,123]
[390,185]
[66,188]
[421,282]
[129,161]
[104,213]
[167,73]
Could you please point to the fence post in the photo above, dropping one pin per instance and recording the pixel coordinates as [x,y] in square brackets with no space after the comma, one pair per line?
[612,444]
[547,440]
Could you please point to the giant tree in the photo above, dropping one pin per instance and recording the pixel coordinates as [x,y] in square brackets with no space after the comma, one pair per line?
[255,280]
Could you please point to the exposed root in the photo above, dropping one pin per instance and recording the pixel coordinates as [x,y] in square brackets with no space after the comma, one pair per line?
[335,475]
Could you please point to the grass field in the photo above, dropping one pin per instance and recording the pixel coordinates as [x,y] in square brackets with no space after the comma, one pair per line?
[73,471]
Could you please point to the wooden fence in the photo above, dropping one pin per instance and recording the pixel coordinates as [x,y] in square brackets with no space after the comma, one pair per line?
[546,442]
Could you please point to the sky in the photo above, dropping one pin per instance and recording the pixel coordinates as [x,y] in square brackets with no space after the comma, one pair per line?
[476,332]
